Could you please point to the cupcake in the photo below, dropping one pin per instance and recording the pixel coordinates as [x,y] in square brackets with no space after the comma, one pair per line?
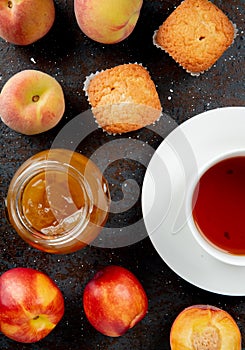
[123,98]
[195,34]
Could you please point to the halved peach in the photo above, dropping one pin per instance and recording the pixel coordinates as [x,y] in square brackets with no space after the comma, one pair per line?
[205,327]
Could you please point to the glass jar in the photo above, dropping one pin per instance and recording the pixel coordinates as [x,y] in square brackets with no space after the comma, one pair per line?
[58,201]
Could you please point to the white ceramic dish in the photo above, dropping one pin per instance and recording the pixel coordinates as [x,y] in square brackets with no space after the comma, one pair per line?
[183,153]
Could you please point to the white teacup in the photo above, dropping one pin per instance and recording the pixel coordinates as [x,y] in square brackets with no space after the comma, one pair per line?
[209,247]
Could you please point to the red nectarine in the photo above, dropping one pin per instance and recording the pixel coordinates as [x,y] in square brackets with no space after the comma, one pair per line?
[114,301]
[31,304]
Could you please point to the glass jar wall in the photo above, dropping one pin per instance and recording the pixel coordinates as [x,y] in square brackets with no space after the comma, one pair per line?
[58,201]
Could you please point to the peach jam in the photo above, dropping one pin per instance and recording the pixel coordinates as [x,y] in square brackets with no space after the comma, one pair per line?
[58,201]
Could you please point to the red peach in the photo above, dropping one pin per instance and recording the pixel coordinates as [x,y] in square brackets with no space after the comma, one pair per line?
[114,301]
[23,22]
[31,305]
[31,102]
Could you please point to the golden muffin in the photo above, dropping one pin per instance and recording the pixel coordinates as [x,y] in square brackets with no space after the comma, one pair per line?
[195,34]
[123,98]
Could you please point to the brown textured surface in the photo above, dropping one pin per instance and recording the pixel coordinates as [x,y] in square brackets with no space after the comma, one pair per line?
[196,34]
[70,56]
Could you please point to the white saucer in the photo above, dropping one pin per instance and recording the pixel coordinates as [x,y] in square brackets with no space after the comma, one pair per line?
[184,152]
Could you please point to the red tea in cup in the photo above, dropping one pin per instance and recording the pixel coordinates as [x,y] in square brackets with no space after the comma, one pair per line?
[219,205]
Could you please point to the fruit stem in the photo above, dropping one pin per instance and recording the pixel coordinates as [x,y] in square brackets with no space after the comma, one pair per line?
[10,4]
[35,98]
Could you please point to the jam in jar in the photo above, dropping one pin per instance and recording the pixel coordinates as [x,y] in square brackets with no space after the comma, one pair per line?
[58,201]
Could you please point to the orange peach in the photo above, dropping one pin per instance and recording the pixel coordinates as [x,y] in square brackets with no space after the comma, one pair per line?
[107,21]
[23,22]
[31,102]
[205,327]
[31,304]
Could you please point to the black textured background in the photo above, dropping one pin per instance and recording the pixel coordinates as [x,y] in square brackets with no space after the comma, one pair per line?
[69,56]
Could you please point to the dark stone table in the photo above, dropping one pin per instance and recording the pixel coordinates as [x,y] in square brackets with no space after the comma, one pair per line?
[69,56]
